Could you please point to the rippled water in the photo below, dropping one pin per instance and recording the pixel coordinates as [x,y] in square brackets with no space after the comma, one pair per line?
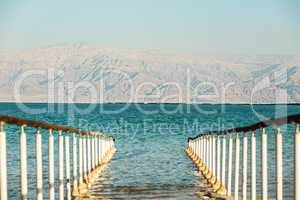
[150,162]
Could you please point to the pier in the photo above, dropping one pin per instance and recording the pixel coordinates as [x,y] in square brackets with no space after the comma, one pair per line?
[229,162]
[89,151]
[220,155]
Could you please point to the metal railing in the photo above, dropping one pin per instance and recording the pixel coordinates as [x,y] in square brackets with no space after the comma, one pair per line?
[212,153]
[94,149]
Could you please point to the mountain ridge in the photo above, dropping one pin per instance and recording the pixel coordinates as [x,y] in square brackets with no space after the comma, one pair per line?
[110,75]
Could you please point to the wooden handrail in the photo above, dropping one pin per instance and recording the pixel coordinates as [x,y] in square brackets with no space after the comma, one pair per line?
[44,125]
[262,124]
[94,149]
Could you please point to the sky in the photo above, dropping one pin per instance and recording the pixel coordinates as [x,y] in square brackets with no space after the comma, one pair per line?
[193,26]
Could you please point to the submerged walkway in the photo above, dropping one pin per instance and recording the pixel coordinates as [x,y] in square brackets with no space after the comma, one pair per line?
[152,171]
[103,188]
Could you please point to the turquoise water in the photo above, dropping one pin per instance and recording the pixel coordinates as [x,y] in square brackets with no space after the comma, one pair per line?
[150,161]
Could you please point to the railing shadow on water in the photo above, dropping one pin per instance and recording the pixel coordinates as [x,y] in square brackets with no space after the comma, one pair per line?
[89,152]
[263,162]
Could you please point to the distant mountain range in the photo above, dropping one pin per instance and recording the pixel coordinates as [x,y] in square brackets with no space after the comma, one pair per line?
[91,73]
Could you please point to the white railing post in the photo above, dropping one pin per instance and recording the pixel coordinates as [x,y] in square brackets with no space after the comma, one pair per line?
[93,151]
[60,166]
[253,166]
[102,149]
[279,165]
[205,152]
[199,146]
[218,166]
[264,162]
[213,155]
[202,149]
[102,146]
[209,160]
[39,165]
[245,159]
[89,154]
[74,160]
[193,146]
[84,157]
[96,150]
[99,150]
[80,159]
[297,163]
[237,164]
[3,167]
[67,168]
[229,164]
[23,161]
[51,165]
[223,160]
[196,147]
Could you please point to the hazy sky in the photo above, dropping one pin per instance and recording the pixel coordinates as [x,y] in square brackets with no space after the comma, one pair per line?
[196,26]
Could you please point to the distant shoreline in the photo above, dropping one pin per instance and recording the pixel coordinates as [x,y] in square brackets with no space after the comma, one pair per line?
[152,103]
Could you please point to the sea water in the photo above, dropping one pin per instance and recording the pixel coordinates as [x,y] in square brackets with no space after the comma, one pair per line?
[150,162]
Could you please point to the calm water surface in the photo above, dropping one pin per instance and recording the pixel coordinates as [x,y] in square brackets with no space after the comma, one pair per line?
[150,162]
